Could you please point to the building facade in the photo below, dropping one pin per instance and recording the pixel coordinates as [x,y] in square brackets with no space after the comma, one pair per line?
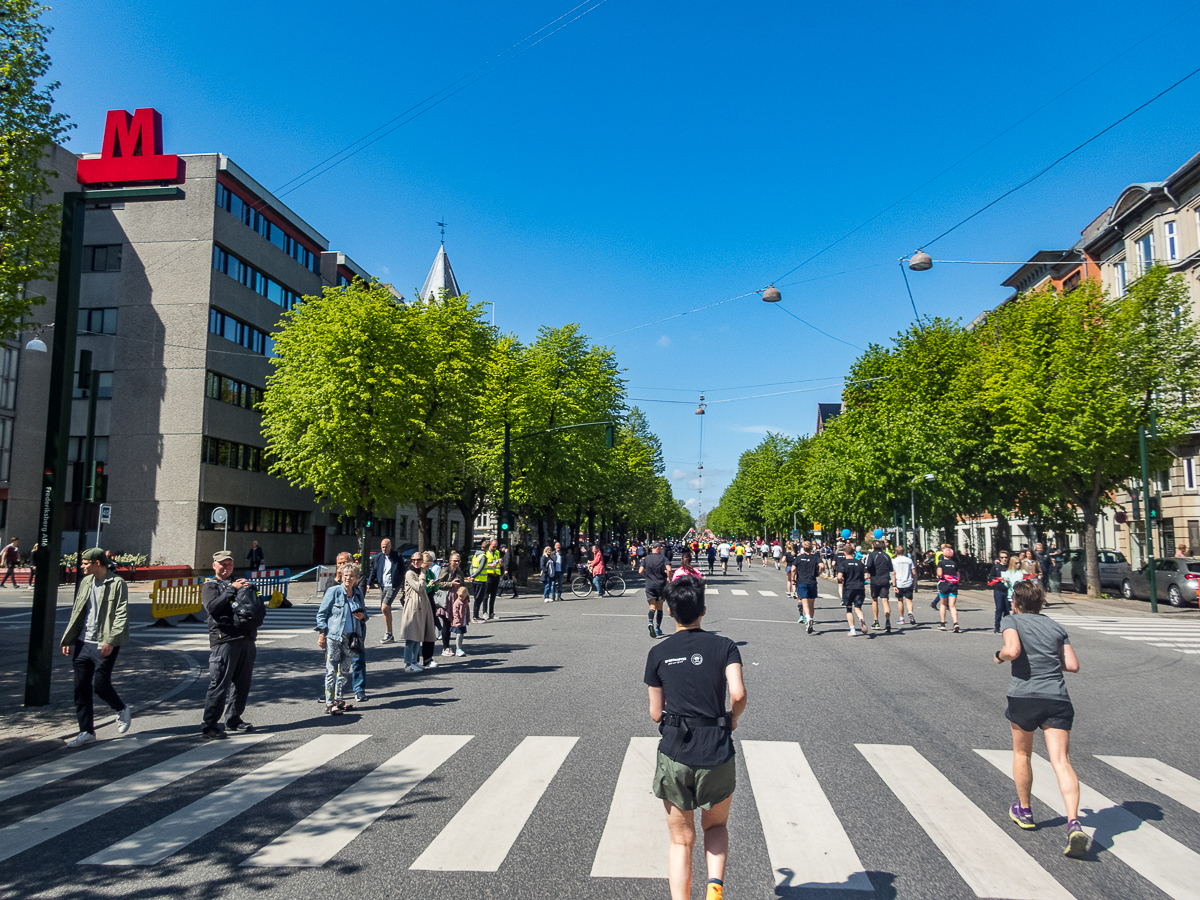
[178,302]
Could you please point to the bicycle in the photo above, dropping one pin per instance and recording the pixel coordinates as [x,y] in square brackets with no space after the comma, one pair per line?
[613,585]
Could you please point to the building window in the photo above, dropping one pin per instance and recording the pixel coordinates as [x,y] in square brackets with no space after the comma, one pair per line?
[229,390]
[102,258]
[255,518]
[6,438]
[240,333]
[1164,481]
[98,321]
[75,450]
[105,387]
[1145,253]
[231,454]
[1172,243]
[244,273]
[1120,281]
[378,528]
[8,378]
[245,212]
[1189,473]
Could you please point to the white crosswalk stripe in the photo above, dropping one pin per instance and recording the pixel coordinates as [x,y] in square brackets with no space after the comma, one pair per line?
[1181,636]
[739,593]
[279,625]
[960,829]
[806,842]
[156,842]
[1157,857]
[768,593]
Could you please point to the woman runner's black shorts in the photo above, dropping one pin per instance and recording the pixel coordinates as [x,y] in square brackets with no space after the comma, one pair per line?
[1032,713]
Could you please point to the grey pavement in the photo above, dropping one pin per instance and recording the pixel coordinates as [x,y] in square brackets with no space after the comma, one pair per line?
[573,670]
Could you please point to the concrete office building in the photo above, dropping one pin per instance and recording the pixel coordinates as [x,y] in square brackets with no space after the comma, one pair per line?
[178,302]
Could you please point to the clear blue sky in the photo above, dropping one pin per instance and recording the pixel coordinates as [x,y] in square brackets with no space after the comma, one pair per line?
[651,158]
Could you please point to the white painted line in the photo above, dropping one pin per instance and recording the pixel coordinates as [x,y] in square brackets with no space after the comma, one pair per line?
[316,839]
[772,621]
[481,833]
[739,593]
[58,820]
[985,855]
[710,590]
[635,842]
[615,615]
[806,842]
[1160,859]
[41,776]
[1179,786]
[169,835]
[768,593]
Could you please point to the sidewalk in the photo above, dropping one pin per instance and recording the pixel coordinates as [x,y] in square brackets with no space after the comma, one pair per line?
[1070,603]
[141,674]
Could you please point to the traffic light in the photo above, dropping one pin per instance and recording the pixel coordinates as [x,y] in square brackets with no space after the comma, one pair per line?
[1154,507]
[609,436]
[99,484]
[504,523]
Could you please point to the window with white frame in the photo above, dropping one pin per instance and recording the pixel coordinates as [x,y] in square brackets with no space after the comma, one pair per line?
[1172,242]
[1189,473]
[1145,252]
[1120,279]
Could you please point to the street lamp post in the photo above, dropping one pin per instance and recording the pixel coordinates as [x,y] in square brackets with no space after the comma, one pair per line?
[912,497]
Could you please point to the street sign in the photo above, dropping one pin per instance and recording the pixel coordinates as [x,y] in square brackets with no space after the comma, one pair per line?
[105,514]
[795,534]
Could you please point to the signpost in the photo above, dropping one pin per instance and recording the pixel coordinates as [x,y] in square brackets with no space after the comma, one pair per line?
[118,168]
[105,519]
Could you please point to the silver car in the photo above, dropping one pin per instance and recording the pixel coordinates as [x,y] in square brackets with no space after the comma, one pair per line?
[1114,569]
[1176,581]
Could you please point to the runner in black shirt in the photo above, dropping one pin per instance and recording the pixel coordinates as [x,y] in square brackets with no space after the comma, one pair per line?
[804,569]
[687,676]
[879,567]
[658,573]
[852,575]
[947,573]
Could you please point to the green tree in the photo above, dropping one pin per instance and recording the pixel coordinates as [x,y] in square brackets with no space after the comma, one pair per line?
[1071,377]
[28,129]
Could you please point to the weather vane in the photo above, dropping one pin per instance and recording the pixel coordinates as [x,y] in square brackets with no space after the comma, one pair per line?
[443,227]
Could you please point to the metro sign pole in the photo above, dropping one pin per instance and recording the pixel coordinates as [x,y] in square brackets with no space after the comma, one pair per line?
[132,155]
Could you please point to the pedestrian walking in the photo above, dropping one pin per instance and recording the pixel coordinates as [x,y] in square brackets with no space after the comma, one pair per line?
[1040,651]
[95,633]
[657,572]
[1001,585]
[358,662]
[33,563]
[255,558]
[904,583]
[449,580]
[947,573]
[561,565]
[9,557]
[234,612]
[386,574]
[546,565]
[460,617]
[493,578]
[695,766]
[342,623]
[477,576]
[416,619]
[432,572]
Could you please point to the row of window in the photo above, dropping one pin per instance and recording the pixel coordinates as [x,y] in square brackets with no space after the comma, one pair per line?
[255,518]
[217,452]
[377,528]
[229,390]
[102,258]
[240,209]
[105,387]
[1146,256]
[240,333]
[8,377]
[75,449]
[244,273]
[100,320]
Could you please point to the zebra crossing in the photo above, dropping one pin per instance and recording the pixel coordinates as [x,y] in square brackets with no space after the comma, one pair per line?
[807,844]
[1181,636]
[279,625]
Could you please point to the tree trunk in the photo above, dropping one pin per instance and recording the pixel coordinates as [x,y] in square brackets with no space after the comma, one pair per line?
[591,518]
[1003,534]
[422,525]
[551,523]
[1090,554]
[576,522]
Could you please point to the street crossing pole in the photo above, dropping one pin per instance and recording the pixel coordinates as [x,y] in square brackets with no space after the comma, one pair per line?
[1149,526]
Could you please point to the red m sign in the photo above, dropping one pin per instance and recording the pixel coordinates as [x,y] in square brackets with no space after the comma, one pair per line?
[132,152]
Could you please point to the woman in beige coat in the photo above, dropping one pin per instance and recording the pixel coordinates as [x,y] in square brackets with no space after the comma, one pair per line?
[416,620]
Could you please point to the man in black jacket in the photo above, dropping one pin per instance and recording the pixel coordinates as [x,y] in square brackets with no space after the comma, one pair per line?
[387,574]
[231,648]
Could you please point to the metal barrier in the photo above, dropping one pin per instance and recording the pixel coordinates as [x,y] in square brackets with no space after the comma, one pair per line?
[268,581]
[175,597]
[326,578]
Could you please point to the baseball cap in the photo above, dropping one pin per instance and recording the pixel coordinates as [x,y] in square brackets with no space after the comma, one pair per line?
[95,554]
[222,555]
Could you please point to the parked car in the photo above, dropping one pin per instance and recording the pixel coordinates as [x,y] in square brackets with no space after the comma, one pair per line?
[1176,581]
[1114,569]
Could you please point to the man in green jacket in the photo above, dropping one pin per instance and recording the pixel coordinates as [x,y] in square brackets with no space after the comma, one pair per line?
[99,625]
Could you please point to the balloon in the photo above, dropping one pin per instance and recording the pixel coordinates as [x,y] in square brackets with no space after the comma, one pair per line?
[878,533]
[845,533]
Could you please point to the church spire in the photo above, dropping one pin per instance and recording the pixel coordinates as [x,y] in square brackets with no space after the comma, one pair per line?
[440,276]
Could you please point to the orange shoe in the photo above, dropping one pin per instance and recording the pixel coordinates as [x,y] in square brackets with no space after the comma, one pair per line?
[715,891]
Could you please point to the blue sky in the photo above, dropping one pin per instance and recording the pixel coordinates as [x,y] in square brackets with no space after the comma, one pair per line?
[651,158]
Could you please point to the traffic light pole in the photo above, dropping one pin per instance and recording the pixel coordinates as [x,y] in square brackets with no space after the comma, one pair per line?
[1149,520]
[87,491]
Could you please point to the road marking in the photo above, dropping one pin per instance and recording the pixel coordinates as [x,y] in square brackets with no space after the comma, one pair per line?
[1179,786]
[635,842]
[57,820]
[615,615]
[768,593]
[169,835]
[1160,859]
[315,840]
[805,839]
[988,859]
[31,779]
[772,621]
[739,593]
[481,833]
[711,590]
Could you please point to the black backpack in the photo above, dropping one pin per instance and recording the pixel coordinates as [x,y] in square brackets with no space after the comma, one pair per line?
[247,608]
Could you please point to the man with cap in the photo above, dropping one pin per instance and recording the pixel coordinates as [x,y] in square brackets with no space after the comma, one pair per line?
[231,647]
[98,627]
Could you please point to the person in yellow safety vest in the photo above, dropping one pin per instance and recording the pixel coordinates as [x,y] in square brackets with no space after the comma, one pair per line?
[477,575]
[491,573]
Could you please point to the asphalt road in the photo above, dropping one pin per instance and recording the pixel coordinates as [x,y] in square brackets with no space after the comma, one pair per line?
[552,698]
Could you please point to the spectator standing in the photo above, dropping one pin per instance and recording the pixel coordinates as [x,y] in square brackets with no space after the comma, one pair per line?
[432,571]
[449,580]
[460,617]
[547,565]
[98,627]
[386,573]
[234,614]
[416,620]
[9,557]
[342,623]
[255,558]
[597,569]
[508,569]
[477,575]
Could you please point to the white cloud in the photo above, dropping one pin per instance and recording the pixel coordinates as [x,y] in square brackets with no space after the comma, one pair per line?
[664,341]
[760,429]
[385,270]
[679,473]
[694,483]
[693,502]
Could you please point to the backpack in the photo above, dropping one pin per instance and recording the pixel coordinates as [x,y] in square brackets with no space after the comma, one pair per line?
[247,609]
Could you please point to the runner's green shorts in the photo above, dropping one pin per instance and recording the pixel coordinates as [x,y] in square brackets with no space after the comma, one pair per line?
[692,788]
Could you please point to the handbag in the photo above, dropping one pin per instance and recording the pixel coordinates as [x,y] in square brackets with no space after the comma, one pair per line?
[354,643]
